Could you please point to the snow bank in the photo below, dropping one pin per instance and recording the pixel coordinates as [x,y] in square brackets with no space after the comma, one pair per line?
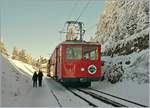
[134,84]
[26,68]
[135,65]
[14,84]
[127,89]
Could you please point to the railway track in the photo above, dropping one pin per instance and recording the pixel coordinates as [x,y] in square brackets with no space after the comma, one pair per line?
[76,94]
[115,101]
[56,98]
[122,100]
[95,96]
[103,99]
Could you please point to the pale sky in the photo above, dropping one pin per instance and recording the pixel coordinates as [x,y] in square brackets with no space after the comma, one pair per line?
[35,24]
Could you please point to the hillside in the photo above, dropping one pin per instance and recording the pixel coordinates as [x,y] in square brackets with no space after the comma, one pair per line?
[123,27]
[122,31]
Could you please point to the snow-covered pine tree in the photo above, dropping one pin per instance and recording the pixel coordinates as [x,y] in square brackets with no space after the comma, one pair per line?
[3,49]
[15,53]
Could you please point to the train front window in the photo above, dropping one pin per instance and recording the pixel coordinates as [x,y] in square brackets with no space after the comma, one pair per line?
[86,53]
[74,52]
[90,53]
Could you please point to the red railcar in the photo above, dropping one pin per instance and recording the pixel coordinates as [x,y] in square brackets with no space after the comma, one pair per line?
[76,62]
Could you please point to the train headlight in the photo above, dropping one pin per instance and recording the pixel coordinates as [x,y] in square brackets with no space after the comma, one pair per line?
[92,69]
[82,69]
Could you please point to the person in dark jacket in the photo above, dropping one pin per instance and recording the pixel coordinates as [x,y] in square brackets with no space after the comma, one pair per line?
[40,76]
[34,79]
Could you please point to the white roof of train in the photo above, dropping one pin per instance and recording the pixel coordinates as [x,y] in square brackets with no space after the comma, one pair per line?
[79,42]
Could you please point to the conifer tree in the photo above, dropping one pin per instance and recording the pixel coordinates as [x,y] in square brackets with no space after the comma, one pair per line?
[15,53]
[3,50]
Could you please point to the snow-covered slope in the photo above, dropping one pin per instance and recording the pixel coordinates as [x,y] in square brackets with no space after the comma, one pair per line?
[122,31]
[14,84]
[134,82]
[123,26]
[22,67]
[134,66]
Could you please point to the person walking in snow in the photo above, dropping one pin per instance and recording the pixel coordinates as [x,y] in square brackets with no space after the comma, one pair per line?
[34,79]
[40,76]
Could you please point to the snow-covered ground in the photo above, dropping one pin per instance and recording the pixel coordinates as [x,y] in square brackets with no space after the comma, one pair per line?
[134,84]
[135,65]
[17,90]
[14,84]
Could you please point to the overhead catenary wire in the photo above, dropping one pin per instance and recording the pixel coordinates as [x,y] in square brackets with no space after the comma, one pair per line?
[83,10]
[70,14]
[91,27]
[81,13]
[72,9]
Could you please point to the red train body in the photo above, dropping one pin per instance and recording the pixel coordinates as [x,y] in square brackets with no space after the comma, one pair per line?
[76,62]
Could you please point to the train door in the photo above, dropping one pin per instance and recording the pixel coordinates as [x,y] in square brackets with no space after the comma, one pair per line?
[91,60]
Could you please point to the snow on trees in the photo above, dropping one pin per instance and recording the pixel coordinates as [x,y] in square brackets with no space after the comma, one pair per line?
[3,49]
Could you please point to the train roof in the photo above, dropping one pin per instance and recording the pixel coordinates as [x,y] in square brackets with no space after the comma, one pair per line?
[79,42]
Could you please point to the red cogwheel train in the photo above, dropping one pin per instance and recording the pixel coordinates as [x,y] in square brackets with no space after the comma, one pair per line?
[75,61]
